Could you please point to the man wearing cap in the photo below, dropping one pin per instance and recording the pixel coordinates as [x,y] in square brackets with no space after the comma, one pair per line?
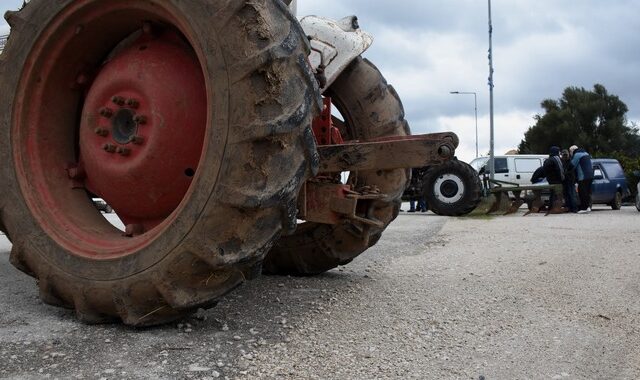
[581,160]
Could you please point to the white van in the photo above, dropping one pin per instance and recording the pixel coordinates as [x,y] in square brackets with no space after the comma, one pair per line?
[515,168]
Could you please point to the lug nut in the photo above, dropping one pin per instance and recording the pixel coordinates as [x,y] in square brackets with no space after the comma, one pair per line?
[133,229]
[102,132]
[140,119]
[123,151]
[133,103]
[109,148]
[106,112]
[138,140]
[76,172]
[119,100]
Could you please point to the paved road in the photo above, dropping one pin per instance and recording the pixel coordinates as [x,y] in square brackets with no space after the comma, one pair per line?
[554,297]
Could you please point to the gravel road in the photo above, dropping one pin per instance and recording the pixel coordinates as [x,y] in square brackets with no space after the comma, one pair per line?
[513,297]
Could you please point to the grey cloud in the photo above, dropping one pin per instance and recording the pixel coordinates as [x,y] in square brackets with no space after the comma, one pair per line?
[428,48]
[604,51]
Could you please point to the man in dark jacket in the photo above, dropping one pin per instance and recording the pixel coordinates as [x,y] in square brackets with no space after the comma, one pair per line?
[581,160]
[414,191]
[554,172]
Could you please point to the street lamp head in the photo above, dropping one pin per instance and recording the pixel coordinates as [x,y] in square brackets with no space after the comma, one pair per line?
[454,92]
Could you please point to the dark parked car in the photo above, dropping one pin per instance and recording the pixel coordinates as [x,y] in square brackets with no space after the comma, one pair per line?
[609,183]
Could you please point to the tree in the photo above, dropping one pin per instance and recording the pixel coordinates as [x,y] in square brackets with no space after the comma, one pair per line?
[594,120]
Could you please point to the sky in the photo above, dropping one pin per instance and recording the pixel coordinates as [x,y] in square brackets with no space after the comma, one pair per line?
[428,48]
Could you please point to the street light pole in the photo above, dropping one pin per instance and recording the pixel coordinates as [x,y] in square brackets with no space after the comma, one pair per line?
[475,107]
[491,153]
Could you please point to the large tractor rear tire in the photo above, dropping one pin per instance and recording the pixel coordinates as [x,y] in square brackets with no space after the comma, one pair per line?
[370,109]
[221,86]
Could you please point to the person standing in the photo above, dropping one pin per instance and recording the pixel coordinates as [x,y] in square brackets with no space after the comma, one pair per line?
[554,171]
[581,160]
[415,190]
[569,183]
[422,204]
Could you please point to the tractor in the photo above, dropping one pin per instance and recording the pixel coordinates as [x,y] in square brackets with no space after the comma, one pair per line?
[230,138]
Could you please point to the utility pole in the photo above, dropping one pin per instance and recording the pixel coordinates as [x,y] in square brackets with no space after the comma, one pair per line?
[491,137]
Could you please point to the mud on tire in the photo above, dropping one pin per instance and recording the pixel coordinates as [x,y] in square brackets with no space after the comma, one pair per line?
[258,150]
[371,108]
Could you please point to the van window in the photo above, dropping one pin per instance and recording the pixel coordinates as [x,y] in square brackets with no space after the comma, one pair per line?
[614,170]
[527,165]
[500,165]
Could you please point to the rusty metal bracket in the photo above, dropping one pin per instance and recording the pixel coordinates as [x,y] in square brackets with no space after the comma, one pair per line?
[323,129]
[334,203]
[324,200]
[388,153]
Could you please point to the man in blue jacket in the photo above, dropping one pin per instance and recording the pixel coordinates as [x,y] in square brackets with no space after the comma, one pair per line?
[581,160]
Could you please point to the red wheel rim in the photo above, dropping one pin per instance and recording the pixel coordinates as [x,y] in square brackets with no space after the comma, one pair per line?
[142,129]
[55,132]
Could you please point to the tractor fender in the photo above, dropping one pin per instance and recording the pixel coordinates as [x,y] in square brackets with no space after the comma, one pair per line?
[334,44]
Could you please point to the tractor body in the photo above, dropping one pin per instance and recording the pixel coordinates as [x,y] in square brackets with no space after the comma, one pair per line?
[228,137]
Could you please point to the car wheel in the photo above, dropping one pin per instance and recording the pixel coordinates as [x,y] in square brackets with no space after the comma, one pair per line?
[617,201]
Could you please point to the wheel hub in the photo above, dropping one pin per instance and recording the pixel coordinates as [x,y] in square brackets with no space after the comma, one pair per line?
[449,188]
[143,127]
[123,127]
